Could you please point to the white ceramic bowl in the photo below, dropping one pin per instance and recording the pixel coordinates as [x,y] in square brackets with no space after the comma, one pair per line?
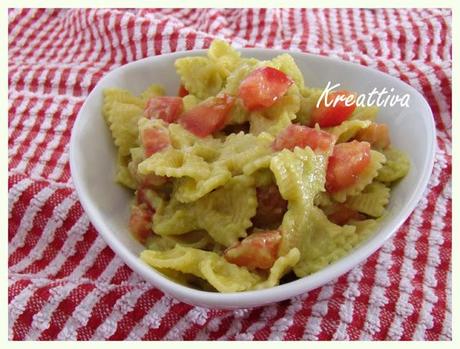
[92,163]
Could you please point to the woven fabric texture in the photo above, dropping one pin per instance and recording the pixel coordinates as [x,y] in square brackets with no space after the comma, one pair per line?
[66,283]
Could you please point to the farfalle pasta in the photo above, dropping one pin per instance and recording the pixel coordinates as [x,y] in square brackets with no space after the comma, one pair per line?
[247,179]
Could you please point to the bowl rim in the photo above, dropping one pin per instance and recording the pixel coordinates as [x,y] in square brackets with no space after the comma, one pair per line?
[247,299]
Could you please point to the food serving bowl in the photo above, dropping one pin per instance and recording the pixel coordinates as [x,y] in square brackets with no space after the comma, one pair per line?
[93,166]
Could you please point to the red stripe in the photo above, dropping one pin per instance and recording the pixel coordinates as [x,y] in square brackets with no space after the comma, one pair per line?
[354,35]
[392,292]
[50,23]
[21,14]
[65,310]
[117,30]
[429,94]
[174,314]
[37,13]
[190,40]
[402,36]
[130,30]
[100,264]
[422,258]
[361,302]
[249,19]
[273,30]
[287,39]
[100,311]
[81,248]
[305,31]
[144,37]
[53,42]
[427,215]
[253,317]
[20,207]
[64,141]
[38,225]
[158,38]
[191,332]
[122,274]
[41,146]
[133,317]
[444,32]
[16,288]
[34,304]
[224,325]
[264,333]
[261,25]
[300,318]
[440,307]
[332,319]
[319,28]
[15,103]
[53,248]
[90,44]
[79,36]
[32,132]
[18,129]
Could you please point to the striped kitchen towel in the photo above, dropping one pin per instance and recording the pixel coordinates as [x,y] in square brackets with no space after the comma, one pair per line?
[66,283]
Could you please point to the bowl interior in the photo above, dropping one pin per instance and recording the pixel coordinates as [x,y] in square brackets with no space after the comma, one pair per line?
[92,159]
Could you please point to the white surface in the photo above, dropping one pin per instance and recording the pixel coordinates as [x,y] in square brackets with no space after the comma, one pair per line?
[92,163]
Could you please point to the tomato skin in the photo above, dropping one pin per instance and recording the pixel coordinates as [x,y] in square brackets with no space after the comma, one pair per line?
[140,222]
[182,91]
[154,140]
[343,214]
[270,206]
[263,87]
[303,136]
[347,161]
[258,251]
[377,135]
[165,108]
[209,116]
[328,116]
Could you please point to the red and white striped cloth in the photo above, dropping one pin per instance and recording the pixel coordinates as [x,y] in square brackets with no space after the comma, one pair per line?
[66,283]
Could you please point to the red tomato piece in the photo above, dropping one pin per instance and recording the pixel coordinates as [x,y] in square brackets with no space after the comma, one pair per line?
[209,116]
[377,135]
[334,114]
[347,161]
[343,214]
[165,108]
[270,206]
[303,136]
[182,91]
[140,222]
[258,250]
[154,140]
[144,195]
[262,87]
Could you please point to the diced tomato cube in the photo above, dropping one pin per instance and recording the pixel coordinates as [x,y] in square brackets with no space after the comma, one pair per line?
[182,91]
[335,114]
[263,87]
[165,108]
[343,214]
[209,116]
[258,251]
[346,163]
[303,136]
[154,140]
[270,206]
[140,222]
[144,195]
[377,135]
